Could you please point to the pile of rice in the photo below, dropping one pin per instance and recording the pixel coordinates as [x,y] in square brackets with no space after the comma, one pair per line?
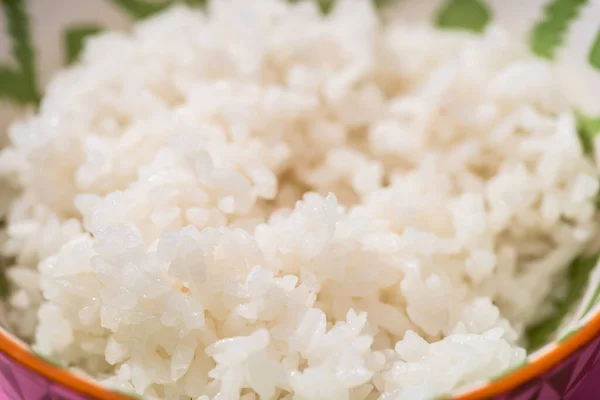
[262,202]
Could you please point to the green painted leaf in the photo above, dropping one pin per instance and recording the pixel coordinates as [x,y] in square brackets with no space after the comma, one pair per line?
[594,57]
[382,3]
[326,6]
[140,9]
[129,394]
[567,335]
[549,33]
[593,301]
[471,15]
[4,287]
[19,83]
[13,86]
[578,274]
[510,370]
[587,129]
[74,39]
[49,360]
[4,263]
[197,3]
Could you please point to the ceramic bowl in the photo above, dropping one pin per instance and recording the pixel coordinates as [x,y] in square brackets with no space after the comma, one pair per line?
[564,32]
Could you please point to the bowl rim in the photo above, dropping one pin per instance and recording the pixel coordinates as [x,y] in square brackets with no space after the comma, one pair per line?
[24,356]
[539,366]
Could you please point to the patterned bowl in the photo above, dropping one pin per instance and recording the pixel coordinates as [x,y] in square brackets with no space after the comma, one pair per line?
[556,374]
[566,32]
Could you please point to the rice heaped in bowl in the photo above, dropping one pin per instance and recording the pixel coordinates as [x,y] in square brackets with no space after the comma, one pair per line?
[260,201]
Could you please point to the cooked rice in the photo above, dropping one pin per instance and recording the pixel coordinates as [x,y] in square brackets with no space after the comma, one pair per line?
[261,201]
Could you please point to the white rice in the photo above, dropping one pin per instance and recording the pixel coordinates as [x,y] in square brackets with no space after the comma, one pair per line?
[175,205]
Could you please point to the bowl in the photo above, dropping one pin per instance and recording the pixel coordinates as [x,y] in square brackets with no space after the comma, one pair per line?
[54,34]
[556,372]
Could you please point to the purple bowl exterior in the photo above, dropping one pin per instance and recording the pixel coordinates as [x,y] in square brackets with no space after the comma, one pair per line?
[564,381]
[17,382]
[567,380]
